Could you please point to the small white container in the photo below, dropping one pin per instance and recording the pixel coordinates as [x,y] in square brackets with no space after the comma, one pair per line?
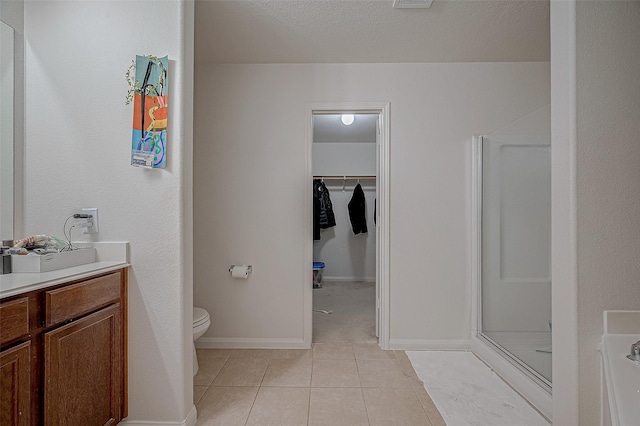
[52,261]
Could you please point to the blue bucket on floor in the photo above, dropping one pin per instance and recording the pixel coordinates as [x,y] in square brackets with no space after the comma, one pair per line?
[317,274]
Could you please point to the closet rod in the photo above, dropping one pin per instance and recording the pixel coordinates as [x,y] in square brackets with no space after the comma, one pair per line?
[344,177]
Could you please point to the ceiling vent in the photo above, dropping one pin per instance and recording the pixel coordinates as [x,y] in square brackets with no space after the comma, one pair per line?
[411,4]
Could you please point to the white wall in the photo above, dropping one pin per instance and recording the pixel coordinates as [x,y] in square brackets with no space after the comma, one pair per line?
[563,214]
[339,159]
[516,233]
[250,178]
[608,177]
[596,181]
[78,134]
[537,123]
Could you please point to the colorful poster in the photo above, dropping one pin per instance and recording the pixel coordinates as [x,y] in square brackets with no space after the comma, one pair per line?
[150,107]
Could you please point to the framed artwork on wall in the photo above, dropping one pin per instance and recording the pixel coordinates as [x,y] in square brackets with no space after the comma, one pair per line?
[148,89]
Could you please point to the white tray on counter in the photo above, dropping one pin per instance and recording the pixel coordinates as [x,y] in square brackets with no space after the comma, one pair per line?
[52,261]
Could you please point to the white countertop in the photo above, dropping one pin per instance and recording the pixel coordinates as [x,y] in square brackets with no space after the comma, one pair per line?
[13,284]
[622,376]
[110,256]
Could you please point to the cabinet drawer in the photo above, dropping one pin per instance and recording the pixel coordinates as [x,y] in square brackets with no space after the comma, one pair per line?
[74,300]
[14,319]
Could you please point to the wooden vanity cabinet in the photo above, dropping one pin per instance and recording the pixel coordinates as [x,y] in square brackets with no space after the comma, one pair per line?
[70,367]
[15,363]
[15,381]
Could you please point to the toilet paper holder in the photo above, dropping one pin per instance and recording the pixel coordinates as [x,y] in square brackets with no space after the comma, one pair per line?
[249,268]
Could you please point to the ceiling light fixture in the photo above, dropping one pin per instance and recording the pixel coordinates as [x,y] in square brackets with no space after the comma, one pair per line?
[347,119]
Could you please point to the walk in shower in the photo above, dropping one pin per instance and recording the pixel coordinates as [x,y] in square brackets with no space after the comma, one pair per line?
[512,209]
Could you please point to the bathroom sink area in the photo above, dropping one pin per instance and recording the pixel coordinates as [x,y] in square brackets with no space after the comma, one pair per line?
[52,261]
[621,387]
[108,256]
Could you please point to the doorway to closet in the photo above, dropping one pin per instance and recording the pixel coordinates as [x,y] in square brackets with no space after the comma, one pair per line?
[347,167]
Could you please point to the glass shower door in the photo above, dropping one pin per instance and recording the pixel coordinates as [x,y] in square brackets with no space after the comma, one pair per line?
[515,247]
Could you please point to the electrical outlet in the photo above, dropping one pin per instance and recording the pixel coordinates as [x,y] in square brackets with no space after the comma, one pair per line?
[93,229]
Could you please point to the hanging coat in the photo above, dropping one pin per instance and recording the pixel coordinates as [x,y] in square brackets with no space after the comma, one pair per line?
[323,216]
[357,211]
[316,213]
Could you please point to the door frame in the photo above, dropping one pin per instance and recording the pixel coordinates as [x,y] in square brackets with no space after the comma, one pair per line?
[382,210]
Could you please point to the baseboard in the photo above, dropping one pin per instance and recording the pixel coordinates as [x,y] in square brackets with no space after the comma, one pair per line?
[249,343]
[538,397]
[429,345]
[191,419]
[349,279]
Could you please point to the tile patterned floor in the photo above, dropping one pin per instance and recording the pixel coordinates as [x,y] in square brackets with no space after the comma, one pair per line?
[332,384]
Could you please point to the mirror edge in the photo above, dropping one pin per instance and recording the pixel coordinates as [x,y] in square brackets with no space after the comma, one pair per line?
[7,132]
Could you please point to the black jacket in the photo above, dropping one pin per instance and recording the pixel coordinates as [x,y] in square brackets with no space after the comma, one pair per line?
[323,216]
[357,211]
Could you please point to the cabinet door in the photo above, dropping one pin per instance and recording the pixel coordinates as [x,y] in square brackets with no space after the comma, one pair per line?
[15,386]
[83,371]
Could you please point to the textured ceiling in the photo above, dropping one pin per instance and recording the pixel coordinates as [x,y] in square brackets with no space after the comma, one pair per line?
[352,31]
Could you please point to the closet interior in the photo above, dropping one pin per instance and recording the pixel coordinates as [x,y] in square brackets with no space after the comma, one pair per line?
[344,248]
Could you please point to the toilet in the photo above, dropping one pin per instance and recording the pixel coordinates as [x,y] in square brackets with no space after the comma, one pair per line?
[201,322]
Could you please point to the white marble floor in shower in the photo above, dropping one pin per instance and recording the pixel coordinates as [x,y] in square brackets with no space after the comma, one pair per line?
[531,347]
[467,392]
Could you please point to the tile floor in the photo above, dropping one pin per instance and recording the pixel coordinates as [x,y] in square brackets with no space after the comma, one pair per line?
[331,384]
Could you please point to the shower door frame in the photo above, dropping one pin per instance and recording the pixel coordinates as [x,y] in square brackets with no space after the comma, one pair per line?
[519,375]
[382,212]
